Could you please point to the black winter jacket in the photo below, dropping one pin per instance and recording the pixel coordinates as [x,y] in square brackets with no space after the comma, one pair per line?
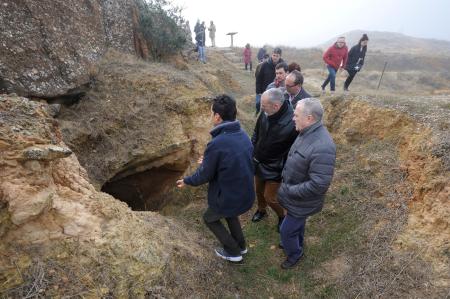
[228,168]
[308,172]
[266,75]
[272,138]
[356,58]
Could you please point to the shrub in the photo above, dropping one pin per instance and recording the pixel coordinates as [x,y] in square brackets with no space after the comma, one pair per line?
[159,24]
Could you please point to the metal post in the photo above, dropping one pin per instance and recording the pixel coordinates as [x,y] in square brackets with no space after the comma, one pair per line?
[382,73]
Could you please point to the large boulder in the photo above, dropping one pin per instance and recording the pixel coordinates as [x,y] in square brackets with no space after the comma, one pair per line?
[47,48]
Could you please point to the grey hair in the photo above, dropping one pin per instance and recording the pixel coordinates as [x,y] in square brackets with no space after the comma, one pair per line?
[312,106]
[275,95]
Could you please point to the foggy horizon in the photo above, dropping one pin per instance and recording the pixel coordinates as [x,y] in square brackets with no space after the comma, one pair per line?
[265,22]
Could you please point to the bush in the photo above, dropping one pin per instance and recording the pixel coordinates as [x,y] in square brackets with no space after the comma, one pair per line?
[158,21]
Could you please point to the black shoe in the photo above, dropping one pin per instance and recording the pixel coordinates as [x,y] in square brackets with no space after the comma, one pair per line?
[289,265]
[258,216]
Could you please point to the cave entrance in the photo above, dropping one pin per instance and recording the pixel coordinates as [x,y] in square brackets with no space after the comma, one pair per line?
[146,190]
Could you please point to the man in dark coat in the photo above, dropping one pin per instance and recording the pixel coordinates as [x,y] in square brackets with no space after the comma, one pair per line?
[307,175]
[355,60]
[261,53]
[273,136]
[266,74]
[294,88]
[228,168]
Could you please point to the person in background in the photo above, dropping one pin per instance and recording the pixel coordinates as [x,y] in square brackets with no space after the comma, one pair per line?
[261,53]
[212,33]
[294,66]
[200,39]
[227,167]
[258,96]
[247,56]
[266,74]
[281,70]
[335,59]
[306,176]
[355,60]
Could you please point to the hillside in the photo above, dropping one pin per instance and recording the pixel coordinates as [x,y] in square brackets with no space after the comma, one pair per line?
[395,43]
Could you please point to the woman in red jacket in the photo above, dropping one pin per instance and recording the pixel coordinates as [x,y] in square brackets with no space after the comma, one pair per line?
[335,58]
[248,56]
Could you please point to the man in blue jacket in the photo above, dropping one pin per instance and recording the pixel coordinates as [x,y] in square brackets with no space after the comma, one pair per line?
[227,166]
[306,177]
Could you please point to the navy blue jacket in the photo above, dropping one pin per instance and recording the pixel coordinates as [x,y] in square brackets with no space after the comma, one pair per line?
[228,167]
[308,172]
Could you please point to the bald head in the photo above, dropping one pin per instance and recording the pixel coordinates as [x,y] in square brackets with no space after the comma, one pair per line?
[272,100]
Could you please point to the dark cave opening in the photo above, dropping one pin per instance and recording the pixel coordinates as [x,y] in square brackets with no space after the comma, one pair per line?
[146,190]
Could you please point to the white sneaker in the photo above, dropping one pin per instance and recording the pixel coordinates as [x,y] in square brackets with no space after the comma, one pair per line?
[220,252]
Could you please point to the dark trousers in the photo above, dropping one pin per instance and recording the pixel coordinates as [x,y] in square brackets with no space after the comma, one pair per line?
[246,64]
[292,231]
[233,241]
[351,75]
[330,79]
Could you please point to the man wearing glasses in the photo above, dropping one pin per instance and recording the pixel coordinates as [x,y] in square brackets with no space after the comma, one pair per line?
[294,88]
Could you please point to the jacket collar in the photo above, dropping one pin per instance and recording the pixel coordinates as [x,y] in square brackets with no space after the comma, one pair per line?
[311,128]
[226,127]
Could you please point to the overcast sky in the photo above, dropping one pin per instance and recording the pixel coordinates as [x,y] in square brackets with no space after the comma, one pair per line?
[308,23]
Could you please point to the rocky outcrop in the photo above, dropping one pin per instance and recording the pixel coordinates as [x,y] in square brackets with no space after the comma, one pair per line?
[48,48]
[54,221]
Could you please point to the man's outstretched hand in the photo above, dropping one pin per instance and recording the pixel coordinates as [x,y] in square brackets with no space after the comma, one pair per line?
[180,183]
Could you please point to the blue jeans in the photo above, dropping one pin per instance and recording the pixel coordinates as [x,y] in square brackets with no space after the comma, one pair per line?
[258,103]
[292,231]
[201,54]
[331,78]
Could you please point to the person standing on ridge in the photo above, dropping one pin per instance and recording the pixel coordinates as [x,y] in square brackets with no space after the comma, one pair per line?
[335,58]
[212,33]
[261,53]
[355,60]
[247,56]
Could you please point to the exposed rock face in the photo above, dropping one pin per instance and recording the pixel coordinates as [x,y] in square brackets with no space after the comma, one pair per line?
[428,225]
[50,214]
[47,48]
[141,125]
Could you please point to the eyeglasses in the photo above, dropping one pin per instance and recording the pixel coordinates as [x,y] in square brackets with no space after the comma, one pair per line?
[290,86]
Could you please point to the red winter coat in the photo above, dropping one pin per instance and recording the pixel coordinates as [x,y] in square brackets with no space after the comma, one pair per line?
[247,55]
[335,57]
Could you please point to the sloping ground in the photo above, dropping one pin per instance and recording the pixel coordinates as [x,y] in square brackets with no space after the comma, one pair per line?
[426,229]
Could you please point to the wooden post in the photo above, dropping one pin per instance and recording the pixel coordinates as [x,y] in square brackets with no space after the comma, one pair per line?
[231,35]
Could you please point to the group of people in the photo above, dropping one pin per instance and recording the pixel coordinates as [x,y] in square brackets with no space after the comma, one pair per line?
[274,72]
[287,165]
[337,57]
[200,38]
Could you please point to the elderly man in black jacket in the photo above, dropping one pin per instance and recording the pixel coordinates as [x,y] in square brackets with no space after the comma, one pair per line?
[306,177]
[273,136]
